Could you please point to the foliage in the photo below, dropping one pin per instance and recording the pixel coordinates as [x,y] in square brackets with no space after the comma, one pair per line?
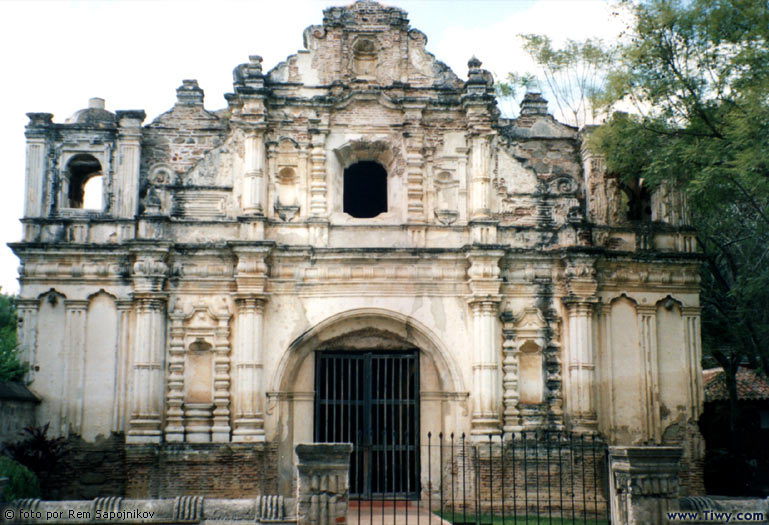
[22,483]
[573,75]
[696,73]
[37,451]
[11,367]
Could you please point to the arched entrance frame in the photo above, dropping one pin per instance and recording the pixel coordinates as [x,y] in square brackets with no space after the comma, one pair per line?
[443,396]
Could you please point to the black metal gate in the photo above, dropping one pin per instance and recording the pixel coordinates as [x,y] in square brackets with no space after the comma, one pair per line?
[371,399]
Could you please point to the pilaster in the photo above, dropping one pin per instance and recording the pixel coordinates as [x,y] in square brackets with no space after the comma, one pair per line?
[581,401]
[318,182]
[647,326]
[149,274]
[484,282]
[254,177]
[415,176]
[126,179]
[28,309]
[76,315]
[37,162]
[248,399]
[691,317]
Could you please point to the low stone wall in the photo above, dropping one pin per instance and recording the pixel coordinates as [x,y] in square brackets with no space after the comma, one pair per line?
[88,470]
[109,467]
[216,470]
[183,509]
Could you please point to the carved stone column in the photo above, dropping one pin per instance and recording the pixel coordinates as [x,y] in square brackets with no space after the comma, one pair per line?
[318,183]
[510,396]
[248,406]
[415,186]
[149,273]
[254,177]
[37,163]
[323,471]
[643,484]
[126,179]
[581,401]
[480,179]
[76,315]
[484,303]
[174,431]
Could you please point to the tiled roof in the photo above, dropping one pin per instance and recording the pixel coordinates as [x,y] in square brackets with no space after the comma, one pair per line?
[750,385]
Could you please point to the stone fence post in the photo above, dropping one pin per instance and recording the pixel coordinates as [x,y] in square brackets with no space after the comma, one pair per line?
[643,482]
[323,471]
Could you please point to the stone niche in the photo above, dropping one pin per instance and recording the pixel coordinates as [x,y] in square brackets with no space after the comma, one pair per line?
[199,378]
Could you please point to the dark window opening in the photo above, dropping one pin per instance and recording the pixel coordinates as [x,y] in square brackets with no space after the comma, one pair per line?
[637,200]
[365,189]
[82,168]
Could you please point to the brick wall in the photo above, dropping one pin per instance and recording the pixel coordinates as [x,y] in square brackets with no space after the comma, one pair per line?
[88,470]
[211,470]
[110,468]
[536,480]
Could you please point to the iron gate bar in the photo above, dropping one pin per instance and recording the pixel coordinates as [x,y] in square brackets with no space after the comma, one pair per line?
[536,476]
[560,476]
[571,463]
[584,495]
[515,495]
[595,481]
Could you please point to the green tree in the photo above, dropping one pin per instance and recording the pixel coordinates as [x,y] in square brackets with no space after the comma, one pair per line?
[572,75]
[11,367]
[695,72]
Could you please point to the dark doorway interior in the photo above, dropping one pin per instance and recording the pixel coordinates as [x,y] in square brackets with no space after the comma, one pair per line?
[371,399]
[365,189]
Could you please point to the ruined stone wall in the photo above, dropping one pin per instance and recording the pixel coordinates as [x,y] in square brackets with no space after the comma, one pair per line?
[214,470]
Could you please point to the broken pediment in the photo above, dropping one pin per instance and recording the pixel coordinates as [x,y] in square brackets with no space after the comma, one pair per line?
[365,43]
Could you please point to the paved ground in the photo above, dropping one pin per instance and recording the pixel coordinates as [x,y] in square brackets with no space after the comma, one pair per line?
[383,513]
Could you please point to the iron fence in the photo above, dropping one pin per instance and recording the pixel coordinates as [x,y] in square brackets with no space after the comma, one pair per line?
[543,477]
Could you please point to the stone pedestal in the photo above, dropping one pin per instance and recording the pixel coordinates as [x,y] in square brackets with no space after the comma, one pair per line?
[644,484]
[323,471]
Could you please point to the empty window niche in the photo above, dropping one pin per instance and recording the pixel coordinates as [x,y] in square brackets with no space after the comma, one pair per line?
[530,372]
[84,182]
[365,189]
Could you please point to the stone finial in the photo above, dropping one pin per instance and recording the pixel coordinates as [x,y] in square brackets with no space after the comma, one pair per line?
[533,104]
[189,94]
[38,120]
[474,63]
[255,63]
[96,103]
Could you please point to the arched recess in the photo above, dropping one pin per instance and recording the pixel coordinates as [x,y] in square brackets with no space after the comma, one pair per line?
[51,362]
[100,367]
[441,388]
[676,371]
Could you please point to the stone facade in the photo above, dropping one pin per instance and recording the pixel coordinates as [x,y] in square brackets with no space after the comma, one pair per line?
[187,310]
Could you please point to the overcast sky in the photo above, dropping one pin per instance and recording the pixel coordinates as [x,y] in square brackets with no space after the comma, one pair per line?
[134,54]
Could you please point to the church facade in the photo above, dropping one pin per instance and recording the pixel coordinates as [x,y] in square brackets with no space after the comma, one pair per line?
[357,230]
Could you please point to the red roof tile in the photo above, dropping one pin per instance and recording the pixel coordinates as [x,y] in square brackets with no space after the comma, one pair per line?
[750,384]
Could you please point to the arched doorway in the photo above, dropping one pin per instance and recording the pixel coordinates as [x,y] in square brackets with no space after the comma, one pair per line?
[439,397]
[370,398]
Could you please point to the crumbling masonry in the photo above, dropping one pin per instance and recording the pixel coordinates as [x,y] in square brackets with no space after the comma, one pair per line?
[358,198]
